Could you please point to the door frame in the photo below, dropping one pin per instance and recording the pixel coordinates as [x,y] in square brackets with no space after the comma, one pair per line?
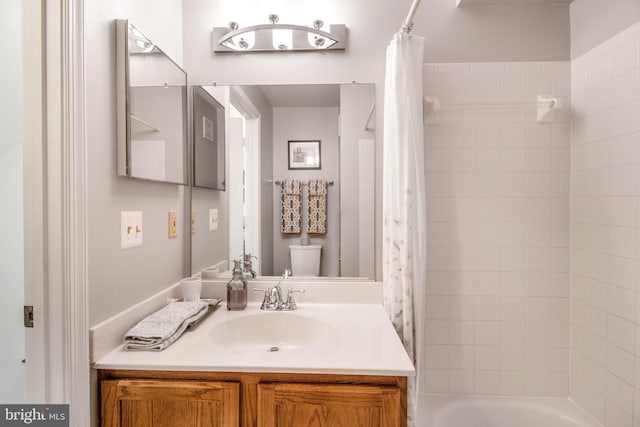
[58,368]
[33,194]
[243,104]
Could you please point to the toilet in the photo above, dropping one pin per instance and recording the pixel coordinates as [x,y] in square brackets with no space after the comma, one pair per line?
[305,260]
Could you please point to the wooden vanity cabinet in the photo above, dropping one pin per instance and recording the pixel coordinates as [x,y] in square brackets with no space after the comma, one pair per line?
[195,399]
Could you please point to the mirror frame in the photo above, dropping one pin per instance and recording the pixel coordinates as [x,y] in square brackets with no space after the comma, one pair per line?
[123,107]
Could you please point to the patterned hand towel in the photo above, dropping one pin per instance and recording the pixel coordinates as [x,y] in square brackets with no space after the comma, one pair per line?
[317,206]
[160,329]
[290,208]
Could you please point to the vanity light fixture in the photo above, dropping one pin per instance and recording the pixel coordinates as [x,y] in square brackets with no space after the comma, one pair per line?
[274,37]
[139,43]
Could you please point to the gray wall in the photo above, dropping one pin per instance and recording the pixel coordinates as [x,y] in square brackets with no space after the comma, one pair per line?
[119,278]
[517,32]
[307,123]
[594,21]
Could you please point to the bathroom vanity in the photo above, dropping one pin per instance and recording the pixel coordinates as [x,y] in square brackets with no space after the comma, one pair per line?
[183,398]
[321,365]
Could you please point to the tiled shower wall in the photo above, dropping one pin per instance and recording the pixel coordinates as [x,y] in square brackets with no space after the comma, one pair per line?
[605,243]
[498,230]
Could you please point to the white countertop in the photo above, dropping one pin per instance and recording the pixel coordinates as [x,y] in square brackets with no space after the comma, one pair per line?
[359,340]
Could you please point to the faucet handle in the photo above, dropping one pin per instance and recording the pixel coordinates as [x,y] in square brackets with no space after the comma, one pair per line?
[265,300]
[291,304]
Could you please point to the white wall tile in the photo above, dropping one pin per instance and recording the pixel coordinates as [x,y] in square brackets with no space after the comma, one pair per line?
[437,356]
[462,381]
[616,416]
[487,283]
[621,302]
[498,212]
[437,380]
[512,383]
[437,331]
[624,58]
[621,333]
[463,357]
[487,332]
[537,383]
[512,333]
[621,363]
[487,357]
[512,358]
[537,334]
[462,332]
[511,308]
[487,382]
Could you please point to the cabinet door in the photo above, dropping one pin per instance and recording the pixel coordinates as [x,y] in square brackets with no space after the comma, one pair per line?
[321,405]
[149,403]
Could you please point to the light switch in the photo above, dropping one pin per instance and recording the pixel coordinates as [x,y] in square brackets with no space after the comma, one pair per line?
[193,222]
[130,229]
[173,224]
[213,219]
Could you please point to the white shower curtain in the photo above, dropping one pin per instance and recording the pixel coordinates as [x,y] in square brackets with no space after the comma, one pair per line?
[404,200]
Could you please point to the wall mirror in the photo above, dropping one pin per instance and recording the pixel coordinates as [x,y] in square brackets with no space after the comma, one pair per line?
[261,122]
[208,140]
[151,109]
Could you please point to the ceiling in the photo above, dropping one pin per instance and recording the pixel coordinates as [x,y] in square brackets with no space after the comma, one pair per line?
[303,95]
[511,2]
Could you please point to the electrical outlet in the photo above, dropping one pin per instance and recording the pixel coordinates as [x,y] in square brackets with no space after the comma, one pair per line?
[193,222]
[130,229]
[173,224]
[213,219]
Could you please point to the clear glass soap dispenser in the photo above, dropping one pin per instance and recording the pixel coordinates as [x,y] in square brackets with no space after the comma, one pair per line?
[237,288]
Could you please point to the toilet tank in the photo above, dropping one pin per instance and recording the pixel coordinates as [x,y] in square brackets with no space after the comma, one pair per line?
[305,260]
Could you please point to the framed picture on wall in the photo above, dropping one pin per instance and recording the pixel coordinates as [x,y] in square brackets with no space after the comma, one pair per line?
[304,154]
[207,128]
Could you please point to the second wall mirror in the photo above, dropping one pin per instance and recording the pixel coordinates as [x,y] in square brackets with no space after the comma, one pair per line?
[208,140]
[151,108]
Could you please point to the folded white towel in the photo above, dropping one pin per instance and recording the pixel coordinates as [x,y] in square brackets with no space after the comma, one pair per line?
[160,329]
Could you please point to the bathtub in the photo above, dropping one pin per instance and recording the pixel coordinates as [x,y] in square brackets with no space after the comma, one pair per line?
[480,411]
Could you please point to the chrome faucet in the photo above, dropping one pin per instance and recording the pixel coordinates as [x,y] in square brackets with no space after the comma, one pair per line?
[247,266]
[273,297]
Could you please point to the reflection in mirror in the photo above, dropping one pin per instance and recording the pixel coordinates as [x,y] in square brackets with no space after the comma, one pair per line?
[208,140]
[151,100]
[276,209]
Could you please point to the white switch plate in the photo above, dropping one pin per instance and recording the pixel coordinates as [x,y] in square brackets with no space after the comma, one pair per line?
[213,219]
[130,229]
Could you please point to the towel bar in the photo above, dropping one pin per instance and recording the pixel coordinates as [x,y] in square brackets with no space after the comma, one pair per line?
[279,182]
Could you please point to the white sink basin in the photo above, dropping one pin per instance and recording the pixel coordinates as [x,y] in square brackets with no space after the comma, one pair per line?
[268,331]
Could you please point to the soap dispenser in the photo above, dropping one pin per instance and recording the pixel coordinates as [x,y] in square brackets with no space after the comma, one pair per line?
[237,288]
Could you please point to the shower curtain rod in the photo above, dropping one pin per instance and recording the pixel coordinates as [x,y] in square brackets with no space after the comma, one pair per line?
[407,26]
